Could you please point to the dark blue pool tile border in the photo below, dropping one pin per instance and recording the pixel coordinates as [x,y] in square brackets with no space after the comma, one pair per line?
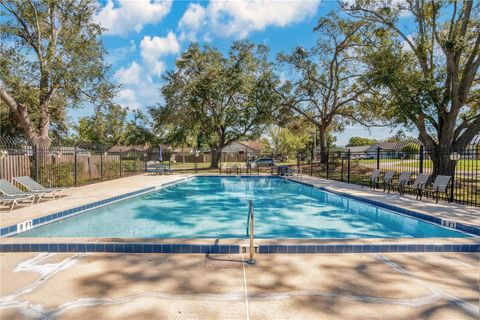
[122,248]
[235,249]
[458,226]
[10,230]
[365,248]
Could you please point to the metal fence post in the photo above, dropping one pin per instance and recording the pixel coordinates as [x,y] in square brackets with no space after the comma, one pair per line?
[348,166]
[135,161]
[101,165]
[298,161]
[145,158]
[75,174]
[36,167]
[421,157]
[328,161]
[311,162]
[341,174]
[120,155]
[378,158]
[453,184]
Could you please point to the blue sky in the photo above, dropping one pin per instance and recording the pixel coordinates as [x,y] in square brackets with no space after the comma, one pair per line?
[144,37]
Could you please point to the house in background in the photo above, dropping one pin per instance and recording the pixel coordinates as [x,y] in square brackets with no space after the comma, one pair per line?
[252,149]
[359,152]
[127,149]
[473,149]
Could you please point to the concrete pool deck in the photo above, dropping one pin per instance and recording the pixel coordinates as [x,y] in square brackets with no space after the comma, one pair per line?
[401,286]
[156,286]
[450,211]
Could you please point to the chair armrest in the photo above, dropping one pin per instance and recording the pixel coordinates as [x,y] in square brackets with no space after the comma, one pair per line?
[421,185]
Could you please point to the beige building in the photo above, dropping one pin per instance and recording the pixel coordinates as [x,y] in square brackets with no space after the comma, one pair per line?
[252,148]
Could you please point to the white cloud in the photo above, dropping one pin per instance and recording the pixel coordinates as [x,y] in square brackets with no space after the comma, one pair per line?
[239,18]
[131,15]
[129,75]
[126,97]
[140,94]
[192,21]
[152,49]
[140,88]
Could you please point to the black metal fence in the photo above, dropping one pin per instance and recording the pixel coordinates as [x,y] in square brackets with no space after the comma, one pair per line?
[69,166]
[353,167]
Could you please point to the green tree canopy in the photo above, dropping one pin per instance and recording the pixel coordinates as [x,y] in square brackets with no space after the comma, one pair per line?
[428,77]
[110,127]
[51,57]
[326,81]
[221,98]
[360,141]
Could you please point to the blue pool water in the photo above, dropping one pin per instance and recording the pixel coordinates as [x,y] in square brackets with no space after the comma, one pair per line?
[217,207]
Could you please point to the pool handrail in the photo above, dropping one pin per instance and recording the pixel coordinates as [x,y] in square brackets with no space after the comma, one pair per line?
[250,230]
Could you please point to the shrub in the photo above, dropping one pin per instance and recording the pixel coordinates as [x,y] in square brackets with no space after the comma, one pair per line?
[58,174]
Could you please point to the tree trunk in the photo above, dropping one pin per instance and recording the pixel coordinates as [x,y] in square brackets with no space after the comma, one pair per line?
[216,154]
[441,163]
[323,145]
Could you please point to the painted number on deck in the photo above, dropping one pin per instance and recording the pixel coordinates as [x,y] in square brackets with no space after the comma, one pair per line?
[24,226]
[449,224]
[246,249]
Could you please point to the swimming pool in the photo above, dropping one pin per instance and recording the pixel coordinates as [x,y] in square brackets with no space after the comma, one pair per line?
[217,207]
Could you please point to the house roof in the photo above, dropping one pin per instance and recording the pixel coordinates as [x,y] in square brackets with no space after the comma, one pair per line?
[128,148]
[397,145]
[253,144]
[475,140]
[359,148]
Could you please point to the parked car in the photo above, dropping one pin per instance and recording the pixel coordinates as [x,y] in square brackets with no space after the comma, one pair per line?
[265,162]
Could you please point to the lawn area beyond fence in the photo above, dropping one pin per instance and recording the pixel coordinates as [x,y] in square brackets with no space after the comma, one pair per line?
[354,167]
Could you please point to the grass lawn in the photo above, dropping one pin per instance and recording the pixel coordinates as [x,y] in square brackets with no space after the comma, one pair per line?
[461,164]
[415,163]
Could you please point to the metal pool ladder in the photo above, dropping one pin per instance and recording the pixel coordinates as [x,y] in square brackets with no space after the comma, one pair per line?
[250,230]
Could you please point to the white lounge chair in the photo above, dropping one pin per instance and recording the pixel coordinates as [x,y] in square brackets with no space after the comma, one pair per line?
[33,186]
[10,190]
[15,200]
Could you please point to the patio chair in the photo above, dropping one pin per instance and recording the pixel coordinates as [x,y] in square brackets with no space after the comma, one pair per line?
[403,180]
[165,169]
[387,179]
[10,190]
[440,185]
[418,185]
[294,171]
[373,179]
[15,200]
[32,185]
[155,169]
